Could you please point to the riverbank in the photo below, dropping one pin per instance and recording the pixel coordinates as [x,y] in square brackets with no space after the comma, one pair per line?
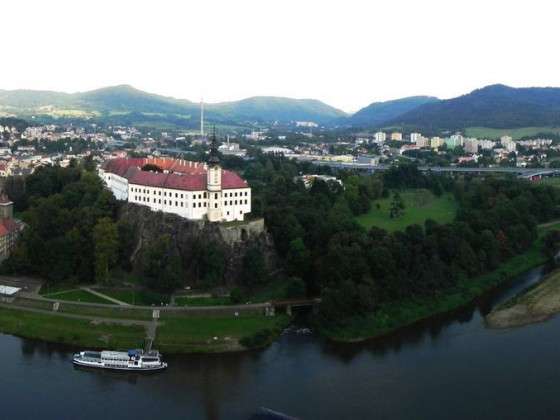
[113,328]
[396,315]
[534,305]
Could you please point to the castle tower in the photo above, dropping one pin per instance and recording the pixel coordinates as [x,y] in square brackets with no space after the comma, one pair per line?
[214,183]
[6,207]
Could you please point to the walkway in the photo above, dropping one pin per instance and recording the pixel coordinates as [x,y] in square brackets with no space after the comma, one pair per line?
[150,326]
[101,295]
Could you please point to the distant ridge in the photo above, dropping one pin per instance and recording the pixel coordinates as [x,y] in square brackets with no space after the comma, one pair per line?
[378,113]
[494,106]
[128,104]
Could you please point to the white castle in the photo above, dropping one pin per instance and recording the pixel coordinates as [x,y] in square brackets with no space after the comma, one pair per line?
[192,190]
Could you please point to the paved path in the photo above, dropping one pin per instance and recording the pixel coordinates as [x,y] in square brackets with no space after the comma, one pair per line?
[120,321]
[101,295]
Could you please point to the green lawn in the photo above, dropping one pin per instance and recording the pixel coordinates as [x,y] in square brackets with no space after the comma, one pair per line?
[554,181]
[136,297]
[213,334]
[70,331]
[515,133]
[77,295]
[420,205]
[202,301]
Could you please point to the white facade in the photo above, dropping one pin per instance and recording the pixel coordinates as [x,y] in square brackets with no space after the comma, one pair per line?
[380,137]
[117,184]
[232,203]
[414,137]
[221,194]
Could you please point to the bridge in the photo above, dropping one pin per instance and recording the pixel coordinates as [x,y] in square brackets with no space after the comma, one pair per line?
[289,304]
[528,173]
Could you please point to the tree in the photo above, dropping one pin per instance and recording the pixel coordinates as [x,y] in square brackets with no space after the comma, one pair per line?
[254,268]
[106,239]
[162,270]
[298,259]
[397,206]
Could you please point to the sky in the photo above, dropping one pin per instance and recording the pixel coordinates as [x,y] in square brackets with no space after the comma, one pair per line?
[347,53]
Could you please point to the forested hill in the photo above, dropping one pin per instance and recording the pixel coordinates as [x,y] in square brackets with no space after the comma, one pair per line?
[129,105]
[496,106]
[378,113]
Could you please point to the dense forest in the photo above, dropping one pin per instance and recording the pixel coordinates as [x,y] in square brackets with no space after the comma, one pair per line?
[355,270]
[74,234]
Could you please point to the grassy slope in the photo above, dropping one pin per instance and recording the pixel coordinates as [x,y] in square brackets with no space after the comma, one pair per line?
[69,331]
[76,296]
[186,335]
[203,301]
[420,205]
[554,181]
[395,315]
[136,297]
[515,133]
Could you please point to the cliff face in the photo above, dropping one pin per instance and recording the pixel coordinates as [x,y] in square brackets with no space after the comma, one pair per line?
[234,239]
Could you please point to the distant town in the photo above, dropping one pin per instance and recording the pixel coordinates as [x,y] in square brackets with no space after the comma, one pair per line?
[23,150]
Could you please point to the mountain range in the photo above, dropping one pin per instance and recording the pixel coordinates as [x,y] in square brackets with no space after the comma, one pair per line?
[495,106]
[124,102]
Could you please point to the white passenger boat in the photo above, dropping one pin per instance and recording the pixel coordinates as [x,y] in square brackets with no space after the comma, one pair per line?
[133,360]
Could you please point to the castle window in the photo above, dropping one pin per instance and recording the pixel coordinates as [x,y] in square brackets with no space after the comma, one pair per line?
[181,195]
[215,205]
[236,194]
[176,204]
[236,202]
[245,201]
[204,195]
[159,201]
[176,195]
[165,202]
[216,196]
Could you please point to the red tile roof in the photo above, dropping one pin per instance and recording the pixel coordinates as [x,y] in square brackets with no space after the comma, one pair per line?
[178,174]
[8,226]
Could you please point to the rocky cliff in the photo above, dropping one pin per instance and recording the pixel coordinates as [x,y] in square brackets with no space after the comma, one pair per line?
[187,236]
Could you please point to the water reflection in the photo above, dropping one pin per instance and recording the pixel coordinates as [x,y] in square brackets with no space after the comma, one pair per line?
[421,371]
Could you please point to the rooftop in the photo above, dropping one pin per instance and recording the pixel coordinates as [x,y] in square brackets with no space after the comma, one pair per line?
[176,173]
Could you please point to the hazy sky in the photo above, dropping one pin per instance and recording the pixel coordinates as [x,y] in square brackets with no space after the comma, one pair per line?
[346,53]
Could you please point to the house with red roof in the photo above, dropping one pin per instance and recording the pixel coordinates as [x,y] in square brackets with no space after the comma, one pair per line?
[193,190]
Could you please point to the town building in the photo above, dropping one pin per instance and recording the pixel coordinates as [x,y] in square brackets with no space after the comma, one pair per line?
[436,142]
[423,142]
[396,136]
[414,137]
[192,190]
[454,141]
[10,228]
[508,144]
[471,145]
[380,137]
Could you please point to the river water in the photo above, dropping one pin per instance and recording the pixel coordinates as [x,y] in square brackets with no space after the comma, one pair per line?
[452,367]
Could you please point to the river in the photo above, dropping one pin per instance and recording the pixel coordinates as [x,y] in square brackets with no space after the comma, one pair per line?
[450,367]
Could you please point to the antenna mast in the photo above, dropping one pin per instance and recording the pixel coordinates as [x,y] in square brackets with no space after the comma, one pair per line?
[201,117]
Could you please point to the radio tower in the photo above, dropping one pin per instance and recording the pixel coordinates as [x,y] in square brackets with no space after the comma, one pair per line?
[201,117]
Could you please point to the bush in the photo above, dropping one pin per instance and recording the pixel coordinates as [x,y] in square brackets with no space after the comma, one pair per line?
[236,296]
[295,288]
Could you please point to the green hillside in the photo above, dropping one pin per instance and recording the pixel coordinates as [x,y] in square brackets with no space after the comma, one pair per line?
[420,205]
[515,133]
[127,105]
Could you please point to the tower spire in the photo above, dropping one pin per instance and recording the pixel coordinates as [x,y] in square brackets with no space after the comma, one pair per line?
[214,158]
